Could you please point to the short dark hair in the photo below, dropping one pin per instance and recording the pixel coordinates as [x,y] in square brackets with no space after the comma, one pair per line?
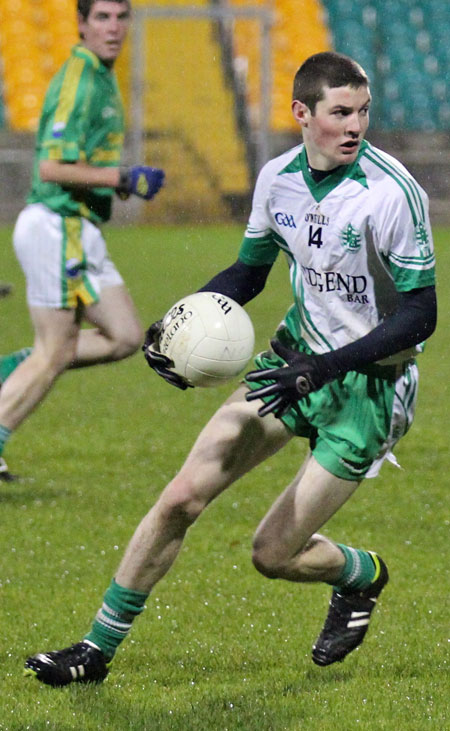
[84,6]
[326,69]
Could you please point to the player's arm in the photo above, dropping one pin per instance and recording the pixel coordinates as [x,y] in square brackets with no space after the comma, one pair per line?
[412,323]
[78,174]
[240,281]
[140,180]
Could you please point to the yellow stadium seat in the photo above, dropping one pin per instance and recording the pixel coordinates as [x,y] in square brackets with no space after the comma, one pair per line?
[35,38]
[299,31]
[190,124]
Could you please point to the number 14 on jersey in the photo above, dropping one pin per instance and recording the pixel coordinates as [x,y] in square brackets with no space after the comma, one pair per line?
[315,236]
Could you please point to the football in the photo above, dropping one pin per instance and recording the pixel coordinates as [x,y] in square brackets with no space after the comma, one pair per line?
[208,337]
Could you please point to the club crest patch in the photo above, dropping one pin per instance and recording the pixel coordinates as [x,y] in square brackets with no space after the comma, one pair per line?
[422,239]
[351,238]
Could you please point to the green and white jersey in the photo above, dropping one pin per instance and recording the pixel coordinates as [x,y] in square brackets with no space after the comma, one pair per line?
[82,119]
[353,241]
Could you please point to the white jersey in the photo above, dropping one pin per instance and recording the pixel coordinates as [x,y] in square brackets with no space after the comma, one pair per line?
[353,241]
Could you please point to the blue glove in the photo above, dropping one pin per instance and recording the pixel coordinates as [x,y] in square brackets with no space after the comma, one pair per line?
[303,374]
[140,180]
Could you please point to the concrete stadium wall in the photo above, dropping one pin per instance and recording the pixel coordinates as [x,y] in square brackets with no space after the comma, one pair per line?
[427,156]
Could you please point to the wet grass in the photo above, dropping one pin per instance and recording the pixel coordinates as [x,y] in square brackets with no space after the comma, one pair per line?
[218,647]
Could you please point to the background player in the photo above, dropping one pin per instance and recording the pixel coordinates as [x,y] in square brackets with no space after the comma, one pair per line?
[354,226]
[57,237]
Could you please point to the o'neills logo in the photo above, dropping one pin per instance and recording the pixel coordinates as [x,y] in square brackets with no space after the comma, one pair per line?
[225,305]
[317,218]
[173,321]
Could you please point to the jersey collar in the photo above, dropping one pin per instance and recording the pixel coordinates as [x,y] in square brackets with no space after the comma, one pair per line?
[323,187]
[82,52]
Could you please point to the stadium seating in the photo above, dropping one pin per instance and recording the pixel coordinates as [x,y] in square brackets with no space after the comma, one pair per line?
[299,30]
[194,116]
[190,122]
[405,50]
[35,37]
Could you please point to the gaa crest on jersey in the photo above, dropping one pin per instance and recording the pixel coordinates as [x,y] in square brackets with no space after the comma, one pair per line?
[422,239]
[351,238]
[58,129]
[285,219]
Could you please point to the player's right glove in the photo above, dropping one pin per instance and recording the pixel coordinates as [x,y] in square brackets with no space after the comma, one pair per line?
[160,363]
[140,180]
[301,375]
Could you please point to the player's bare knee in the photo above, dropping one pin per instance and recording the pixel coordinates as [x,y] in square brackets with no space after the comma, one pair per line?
[127,343]
[180,504]
[50,362]
[265,559]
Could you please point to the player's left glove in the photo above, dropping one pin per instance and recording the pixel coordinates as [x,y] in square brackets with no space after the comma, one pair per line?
[140,180]
[303,374]
[160,363]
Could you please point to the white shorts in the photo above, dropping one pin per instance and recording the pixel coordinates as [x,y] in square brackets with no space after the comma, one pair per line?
[64,259]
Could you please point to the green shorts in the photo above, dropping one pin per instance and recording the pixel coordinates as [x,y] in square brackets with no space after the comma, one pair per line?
[353,422]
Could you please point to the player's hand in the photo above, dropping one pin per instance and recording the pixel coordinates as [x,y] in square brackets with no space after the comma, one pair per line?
[140,180]
[302,375]
[160,363]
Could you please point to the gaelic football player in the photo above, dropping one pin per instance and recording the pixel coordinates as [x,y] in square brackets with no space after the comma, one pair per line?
[341,372]
[57,237]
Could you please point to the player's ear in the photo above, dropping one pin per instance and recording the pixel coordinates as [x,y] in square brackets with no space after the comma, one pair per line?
[301,113]
[81,25]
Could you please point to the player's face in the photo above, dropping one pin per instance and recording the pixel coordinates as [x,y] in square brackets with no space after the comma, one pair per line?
[333,134]
[104,30]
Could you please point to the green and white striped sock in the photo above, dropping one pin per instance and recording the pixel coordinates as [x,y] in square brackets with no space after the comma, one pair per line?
[9,363]
[358,571]
[5,434]
[115,617]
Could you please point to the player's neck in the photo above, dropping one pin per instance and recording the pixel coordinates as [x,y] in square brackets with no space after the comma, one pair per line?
[318,175]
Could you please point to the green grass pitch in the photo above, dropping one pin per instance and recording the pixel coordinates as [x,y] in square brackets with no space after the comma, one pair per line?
[219,647]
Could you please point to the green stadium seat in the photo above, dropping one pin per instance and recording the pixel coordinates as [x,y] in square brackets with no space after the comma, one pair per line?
[444,115]
[344,10]
[440,90]
[405,49]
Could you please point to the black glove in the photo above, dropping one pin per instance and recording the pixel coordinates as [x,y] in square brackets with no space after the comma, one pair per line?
[303,374]
[160,363]
[140,180]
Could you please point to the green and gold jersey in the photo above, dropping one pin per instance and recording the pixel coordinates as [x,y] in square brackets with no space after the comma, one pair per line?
[353,242]
[82,119]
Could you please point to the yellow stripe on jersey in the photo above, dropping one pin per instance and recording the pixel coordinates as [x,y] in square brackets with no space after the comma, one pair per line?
[69,89]
[84,210]
[46,144]
[116,139]
[55,153]
[101,155]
